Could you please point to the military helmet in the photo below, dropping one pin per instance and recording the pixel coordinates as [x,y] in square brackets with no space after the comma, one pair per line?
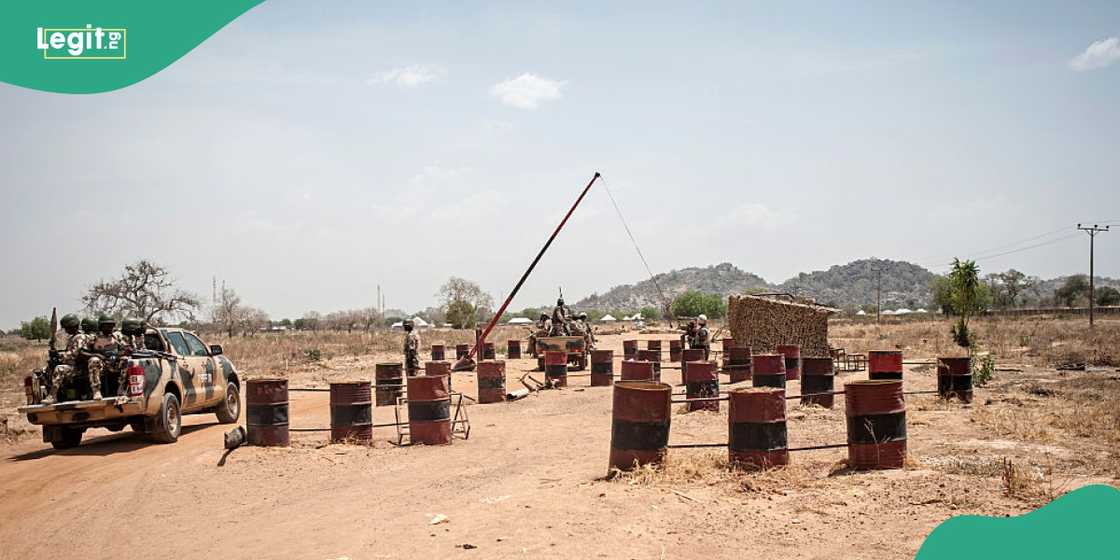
[560,301]
[132,326]
[89,325]
[583,315]
[407,323]
[106,322]
[69,321]
[544,315]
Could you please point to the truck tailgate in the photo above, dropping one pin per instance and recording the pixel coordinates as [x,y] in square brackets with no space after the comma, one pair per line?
[75,412]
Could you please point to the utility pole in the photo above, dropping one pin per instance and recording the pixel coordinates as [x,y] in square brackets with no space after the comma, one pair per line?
[1092,231]
[878,293]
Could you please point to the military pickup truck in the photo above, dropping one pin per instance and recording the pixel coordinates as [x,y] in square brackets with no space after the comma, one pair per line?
[175,374]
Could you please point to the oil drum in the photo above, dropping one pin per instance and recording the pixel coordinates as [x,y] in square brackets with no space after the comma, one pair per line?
[792,353]
[688,356]
[702,381]
[629,349]
[556,367]
[639,423]
[491,381]
[429,409]
[488,351]
[737,362]
[674,350]
[954,378]
[462,350]
[602,368]
[884,364]
[817,376]
[439,352]
[513,349]
[651,356]
[654,345]
[768,370]
[351,412]
[389,381]
[876,413]
[756,431]
[636,370]
[266,412]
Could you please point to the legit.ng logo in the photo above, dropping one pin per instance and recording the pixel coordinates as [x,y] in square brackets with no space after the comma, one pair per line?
[89,43]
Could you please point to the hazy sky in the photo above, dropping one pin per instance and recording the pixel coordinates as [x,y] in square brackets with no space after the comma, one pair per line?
[313,150]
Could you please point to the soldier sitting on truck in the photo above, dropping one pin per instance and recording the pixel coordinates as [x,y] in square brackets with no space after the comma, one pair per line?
[585,330]
[106,348]
[544,328]
[65,361]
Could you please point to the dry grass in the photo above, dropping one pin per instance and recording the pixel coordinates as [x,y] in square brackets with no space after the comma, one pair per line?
[711,468]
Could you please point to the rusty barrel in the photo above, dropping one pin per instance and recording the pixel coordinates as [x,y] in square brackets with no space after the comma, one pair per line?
[756,428]
[653,345]
[636,370]
[675,350]
[389,381]
[629,349]
[651,356]
[688,356]
[737,362]
[884,364]
[768,370]
[817,376]
[876,411]
[439,352]
[491,381]
[792,353]
[728,343]
[461,351]
[702,381]
[351,412]
[556,367]
[602,368]
[429,409]
[266,412]
[513,349]
[639,423]
[488,352]
[954,378]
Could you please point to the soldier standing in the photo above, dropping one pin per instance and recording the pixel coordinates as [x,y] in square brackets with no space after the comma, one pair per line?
[688,337]
[65,360]
[106,347]
[703,336]
[411,349]
[560,316]
[588,335]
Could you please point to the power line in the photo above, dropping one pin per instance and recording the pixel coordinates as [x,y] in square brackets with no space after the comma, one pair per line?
[664,302]
[1018,250]
[983,253]
[1092,231]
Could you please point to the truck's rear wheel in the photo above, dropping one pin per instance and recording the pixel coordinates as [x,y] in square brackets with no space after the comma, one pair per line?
[170,420]
[70,438]
[230,410]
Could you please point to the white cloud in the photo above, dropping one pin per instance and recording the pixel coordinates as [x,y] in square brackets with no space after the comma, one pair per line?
[756,216]
[527,91]
[1099,54]
[408,76]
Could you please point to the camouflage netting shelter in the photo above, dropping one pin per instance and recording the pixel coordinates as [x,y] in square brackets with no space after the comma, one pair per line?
[763,322]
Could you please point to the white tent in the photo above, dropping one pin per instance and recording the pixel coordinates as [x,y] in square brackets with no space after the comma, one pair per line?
[608,318]
[902,311]
[861,312]
[921,310]
[397,325]
[519,321]
[886,312]
[419,323]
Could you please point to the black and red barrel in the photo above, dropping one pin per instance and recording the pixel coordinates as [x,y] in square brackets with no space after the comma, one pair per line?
[756,431]
[653,345]
[876,413]
[389,381]
[728,343]
[792,353]
[439,352]
[462,350]
[768,370]
[266,412]
[651,356]
[491,381]
[629,349]
[513,349]
[954,378]
[439,368]
[884,364]
[429,409]
[817,377]
[602,368]
[639,423]
[636,370]
[556,367]
[689,355]
[702,382]
[737,362]
[675,350]
[351,412]
[488,350]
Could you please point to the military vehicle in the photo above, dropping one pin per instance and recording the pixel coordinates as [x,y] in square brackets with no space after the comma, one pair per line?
[175,374]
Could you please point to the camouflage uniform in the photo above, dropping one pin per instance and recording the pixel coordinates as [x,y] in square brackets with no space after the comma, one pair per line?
[67,357]
[689,336]
[411,350]
[585,329]
[107,343]
[703,337]
[560,315]
[544,327]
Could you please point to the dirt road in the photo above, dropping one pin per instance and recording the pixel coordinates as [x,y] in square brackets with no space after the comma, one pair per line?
[527,484]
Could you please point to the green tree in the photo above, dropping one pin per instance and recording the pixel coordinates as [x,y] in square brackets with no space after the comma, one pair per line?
[968,296]
[939,289]
[464,302]
[38,328]
[461,315]
[650,313]
[1107,295]
[1074,288]
[693,303]
[1013,283]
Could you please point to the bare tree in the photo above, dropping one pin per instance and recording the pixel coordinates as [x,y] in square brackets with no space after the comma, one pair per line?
[227,311]
[368,317]
[145,290]
[463,302]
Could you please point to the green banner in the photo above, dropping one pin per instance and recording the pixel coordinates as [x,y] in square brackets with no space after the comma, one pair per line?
[91,47]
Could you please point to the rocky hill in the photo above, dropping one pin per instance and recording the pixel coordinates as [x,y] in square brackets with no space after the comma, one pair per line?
[723,279]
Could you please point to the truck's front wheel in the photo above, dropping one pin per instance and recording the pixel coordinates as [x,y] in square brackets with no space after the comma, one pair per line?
[68,438]
[170,420]
[230,410]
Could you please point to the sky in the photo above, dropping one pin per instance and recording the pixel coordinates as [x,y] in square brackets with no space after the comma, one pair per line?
[310,152]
